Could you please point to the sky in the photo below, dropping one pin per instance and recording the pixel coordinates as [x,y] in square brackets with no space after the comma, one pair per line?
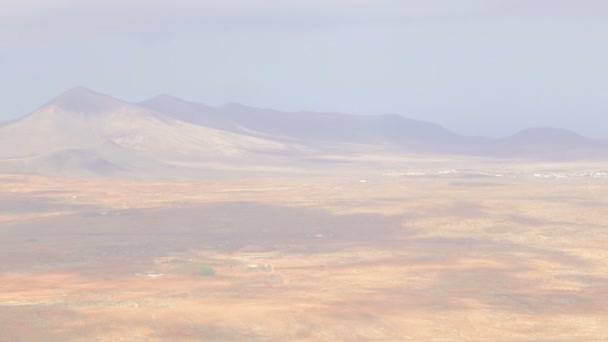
[477,67]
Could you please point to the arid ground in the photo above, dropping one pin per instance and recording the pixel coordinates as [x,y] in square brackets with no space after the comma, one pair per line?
[396,256]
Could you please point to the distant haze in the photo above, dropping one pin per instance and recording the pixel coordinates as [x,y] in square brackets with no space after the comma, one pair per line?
[477,67]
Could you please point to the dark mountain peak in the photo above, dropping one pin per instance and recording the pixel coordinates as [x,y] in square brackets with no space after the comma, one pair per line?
[78,91]
[235,106]
[190,112]
[546,130]
[172,105]
[548,136]
[84,100]
[163,98]
[391,117]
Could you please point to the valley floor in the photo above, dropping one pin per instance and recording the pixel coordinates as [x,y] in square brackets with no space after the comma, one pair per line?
[430,255]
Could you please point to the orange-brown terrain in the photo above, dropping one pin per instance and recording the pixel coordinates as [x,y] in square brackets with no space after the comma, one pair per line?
[393,257]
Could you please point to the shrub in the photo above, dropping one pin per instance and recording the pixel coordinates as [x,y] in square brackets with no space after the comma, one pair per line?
[206,271]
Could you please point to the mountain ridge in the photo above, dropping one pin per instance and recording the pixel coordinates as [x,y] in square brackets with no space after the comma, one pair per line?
[82,119]
[83,131]
[324,127]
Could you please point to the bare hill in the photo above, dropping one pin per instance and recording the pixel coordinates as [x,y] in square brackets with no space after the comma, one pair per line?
[87,130]
[549,143]
[106,160]
[88,133]
[311,128]
[539,136]
[191,112]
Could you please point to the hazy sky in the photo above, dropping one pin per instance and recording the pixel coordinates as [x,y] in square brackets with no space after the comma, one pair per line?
[475,66]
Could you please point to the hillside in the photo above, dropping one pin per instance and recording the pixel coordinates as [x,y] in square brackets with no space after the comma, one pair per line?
[87,133]
[539,136]
[82,127]
[307,127]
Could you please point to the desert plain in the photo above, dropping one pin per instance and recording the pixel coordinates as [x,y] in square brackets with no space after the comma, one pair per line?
[503,253]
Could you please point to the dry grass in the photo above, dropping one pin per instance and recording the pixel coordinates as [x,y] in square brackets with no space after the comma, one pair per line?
[391,259]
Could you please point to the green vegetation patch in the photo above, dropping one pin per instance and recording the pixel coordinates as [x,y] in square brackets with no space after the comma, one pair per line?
[206,271]
[197,267]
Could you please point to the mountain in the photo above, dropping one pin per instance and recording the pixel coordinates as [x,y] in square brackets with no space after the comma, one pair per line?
[106,160]
[396,131]
[82,132]
[73,119]
[341,128]
[546,136]
[82,128]
[548,143]
[86,102]
[311,128]
[190,112]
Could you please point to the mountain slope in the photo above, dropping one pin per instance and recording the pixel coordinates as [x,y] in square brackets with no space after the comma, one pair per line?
[84,119]
[307,127]
[548,143]
[106,160]
[190,112]
[94,133]
[539,136]
[82,132]
[321,129]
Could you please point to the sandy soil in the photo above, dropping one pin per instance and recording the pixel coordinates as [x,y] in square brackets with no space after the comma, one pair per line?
[435,257]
